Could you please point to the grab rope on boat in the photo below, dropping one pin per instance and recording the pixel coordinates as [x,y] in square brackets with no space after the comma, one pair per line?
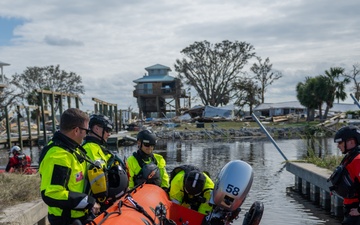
[107,215]
[139,208]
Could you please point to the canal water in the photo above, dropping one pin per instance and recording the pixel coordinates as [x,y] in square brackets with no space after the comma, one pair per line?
[272,183]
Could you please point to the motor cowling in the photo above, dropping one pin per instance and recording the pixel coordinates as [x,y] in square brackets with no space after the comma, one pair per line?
[232,185]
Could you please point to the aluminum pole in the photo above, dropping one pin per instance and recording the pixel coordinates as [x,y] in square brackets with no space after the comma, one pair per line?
[269,136]
[355,100]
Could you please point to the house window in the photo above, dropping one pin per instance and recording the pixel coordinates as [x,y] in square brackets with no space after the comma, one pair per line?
[148,88]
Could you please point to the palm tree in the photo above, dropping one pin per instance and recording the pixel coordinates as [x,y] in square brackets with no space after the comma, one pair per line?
[335,87]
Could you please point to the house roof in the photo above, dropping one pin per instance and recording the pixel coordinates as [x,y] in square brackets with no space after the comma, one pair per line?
[343,107]
[279,105]
[337,107]
[157,67]
[4,64]
[154,78]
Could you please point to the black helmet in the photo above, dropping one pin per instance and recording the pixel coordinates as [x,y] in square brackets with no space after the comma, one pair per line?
[194,182]
[118,182]
[146,136]
[345,133]
[102,121]
[150,174]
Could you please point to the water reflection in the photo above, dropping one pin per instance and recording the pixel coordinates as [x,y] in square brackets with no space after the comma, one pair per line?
[270,176]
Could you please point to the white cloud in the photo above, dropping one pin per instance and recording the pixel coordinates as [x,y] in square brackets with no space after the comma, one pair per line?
[109,43]
[52,40]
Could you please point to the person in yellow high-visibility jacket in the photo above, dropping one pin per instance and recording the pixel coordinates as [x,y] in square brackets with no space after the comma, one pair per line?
[96,148]
[95,142]
[144,166]
[63,170]
[191,188]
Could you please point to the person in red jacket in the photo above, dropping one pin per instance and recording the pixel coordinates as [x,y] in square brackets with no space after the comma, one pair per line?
[19,162]
[346,178]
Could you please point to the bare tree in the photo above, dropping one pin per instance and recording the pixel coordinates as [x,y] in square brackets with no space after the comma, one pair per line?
[10,95]
[212,68]
[264,74]
[47,78]
[246,93]
[352,75]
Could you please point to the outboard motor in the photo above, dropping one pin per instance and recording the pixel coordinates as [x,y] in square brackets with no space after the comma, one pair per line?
[232,185]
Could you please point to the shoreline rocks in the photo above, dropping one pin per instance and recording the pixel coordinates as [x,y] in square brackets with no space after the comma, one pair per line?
[245,132]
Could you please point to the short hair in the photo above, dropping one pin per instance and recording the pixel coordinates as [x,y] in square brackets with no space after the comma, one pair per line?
[72,118]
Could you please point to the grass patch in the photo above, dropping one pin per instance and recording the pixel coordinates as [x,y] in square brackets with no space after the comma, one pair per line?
[18,188]
[328,162]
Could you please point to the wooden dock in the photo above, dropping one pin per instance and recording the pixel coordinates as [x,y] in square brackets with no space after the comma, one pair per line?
[25,139]
[121,138]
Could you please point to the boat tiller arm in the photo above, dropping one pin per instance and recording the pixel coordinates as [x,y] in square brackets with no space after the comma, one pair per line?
[231,216]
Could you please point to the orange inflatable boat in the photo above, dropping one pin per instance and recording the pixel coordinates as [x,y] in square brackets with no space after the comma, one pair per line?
[150,205]
[28,170]
[147,204]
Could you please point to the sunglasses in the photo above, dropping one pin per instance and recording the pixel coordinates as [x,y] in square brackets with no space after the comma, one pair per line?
[148,145]
[86,130]
[107,130]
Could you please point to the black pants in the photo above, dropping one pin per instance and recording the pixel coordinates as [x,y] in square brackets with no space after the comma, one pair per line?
[350,220]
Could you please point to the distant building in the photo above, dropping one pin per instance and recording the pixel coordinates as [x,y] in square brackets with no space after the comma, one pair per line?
[294,107]
[159,94]
[2,79]
[280,109]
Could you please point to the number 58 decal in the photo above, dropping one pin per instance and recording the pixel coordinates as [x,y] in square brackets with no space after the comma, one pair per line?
[232,189]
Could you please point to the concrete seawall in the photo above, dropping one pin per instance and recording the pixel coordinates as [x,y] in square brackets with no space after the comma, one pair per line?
[30,213]
[311,182]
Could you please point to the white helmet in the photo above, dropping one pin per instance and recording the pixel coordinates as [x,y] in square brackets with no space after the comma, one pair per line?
[15,148]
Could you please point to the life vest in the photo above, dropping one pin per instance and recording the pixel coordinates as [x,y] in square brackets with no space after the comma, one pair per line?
[109,181]
[342,183]
[22,162]
[149,173]
[193,201]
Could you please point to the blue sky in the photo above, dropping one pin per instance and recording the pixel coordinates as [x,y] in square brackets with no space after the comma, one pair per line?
[111,42]
[7,26]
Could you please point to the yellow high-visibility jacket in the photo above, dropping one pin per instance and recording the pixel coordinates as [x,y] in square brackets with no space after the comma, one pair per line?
[64,179]
[95,152]
[134,168]
[177,192]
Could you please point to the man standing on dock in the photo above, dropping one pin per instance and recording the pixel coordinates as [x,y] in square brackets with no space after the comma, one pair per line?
[346,178]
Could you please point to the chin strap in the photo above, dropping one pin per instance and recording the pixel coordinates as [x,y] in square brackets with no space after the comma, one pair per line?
[101,138]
